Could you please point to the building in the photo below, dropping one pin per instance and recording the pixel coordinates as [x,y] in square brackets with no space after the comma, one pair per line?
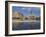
[32,16]
[20,17]
[17,16]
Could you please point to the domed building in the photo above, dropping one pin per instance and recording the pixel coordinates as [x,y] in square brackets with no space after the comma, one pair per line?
[17,16]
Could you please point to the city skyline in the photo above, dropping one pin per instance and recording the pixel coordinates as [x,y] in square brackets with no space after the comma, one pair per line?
[26,11]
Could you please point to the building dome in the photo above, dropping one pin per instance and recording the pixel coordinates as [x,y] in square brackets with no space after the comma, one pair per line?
[17,16]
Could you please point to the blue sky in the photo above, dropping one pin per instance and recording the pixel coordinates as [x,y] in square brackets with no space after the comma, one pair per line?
[26,11]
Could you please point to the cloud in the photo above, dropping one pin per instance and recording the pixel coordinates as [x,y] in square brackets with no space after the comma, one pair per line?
[23,8]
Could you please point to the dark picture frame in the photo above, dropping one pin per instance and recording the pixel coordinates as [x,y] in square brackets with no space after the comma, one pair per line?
[6,18]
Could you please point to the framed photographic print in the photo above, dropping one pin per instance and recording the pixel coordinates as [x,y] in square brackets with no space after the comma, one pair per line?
[24,18]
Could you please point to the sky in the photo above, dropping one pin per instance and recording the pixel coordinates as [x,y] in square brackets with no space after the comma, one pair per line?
[26,11]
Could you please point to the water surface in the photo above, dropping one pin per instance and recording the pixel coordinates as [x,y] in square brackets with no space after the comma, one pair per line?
[26,25]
